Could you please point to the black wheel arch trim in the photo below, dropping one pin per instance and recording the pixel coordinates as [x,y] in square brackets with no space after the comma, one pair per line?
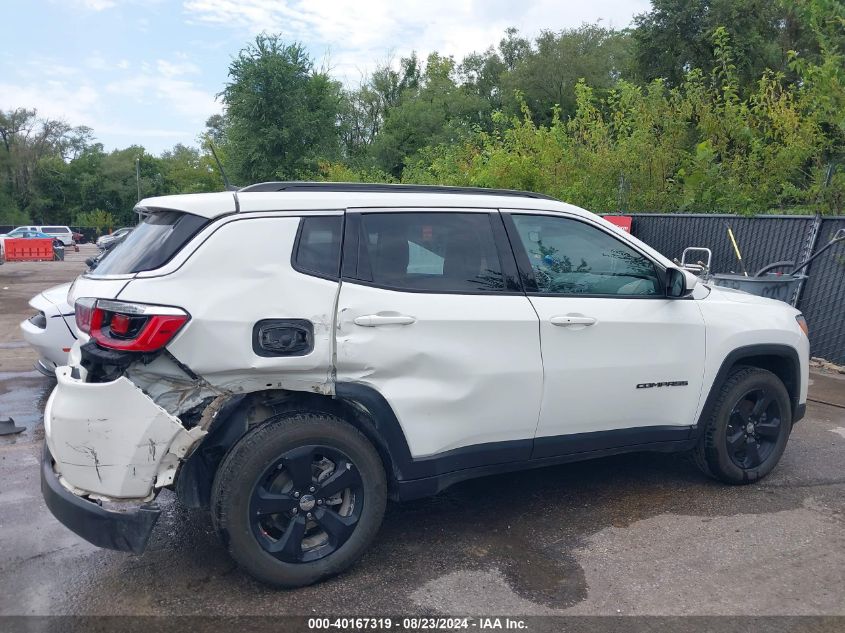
[746,352]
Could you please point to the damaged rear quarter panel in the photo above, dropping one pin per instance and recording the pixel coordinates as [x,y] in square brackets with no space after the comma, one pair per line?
[242,274]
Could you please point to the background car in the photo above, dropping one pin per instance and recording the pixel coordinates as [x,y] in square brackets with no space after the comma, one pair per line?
[52,329]
[61,233]
[118,235]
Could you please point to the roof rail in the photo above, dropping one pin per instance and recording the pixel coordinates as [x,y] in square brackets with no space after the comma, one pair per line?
[366,187]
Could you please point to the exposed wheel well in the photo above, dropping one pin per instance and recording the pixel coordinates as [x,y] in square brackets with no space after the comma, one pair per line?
[195,478]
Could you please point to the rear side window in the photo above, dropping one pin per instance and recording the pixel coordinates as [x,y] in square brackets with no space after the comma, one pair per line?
[55,230]
[318,246]
[152,243]
[433,252]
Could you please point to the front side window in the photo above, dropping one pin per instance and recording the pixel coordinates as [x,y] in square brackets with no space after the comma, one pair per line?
[569,257]
[433,252]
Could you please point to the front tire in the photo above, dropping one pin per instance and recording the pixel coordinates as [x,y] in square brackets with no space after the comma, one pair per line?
[745,431]
[299,498]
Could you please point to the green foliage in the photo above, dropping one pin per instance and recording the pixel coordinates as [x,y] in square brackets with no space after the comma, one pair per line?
[713,105]
[101,220]
[697,147]
[675,36]
[435,109]
[281,113]
[546,73]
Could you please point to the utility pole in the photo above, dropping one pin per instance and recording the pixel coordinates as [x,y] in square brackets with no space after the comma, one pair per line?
[138,175]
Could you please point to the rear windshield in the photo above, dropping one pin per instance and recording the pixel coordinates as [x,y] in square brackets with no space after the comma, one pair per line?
[151,244]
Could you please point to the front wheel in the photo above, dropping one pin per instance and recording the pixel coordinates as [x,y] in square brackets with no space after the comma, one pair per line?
[745,432]
[299,498]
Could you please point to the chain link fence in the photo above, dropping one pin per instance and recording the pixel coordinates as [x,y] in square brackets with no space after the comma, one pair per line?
[823,297]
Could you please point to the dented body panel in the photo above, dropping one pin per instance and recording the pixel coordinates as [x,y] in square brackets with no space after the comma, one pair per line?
[232,294]
[111,439]
[125,438]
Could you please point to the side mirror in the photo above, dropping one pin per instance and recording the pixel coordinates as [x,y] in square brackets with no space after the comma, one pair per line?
[676,284]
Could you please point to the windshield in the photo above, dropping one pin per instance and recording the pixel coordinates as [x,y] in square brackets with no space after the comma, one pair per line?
[151,244]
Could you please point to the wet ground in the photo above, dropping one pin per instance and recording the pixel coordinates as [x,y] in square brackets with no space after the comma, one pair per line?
[636,534]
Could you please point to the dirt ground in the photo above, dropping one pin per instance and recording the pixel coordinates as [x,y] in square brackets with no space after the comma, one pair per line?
[636,534]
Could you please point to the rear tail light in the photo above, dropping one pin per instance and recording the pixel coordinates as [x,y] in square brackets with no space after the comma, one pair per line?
[131,327]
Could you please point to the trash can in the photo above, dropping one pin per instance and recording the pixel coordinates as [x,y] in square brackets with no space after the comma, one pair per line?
[58,253]
[772,285]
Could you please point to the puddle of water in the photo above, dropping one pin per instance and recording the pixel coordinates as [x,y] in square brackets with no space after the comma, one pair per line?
[23,396]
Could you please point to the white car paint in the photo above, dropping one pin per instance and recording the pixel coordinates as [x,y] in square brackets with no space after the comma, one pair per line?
[54,340]
[460,374]
[465,370]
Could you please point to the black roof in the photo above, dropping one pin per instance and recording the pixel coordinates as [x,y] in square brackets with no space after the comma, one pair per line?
[366,187]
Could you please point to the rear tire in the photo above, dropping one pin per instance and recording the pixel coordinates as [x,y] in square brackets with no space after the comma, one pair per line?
[299,498]
[744,432]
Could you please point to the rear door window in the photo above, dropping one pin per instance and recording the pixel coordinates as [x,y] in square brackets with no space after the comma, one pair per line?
[318,246]
[430,252]
[151,244]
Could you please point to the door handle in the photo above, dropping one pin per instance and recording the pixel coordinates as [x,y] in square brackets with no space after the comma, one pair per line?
[569,319]
[374,320]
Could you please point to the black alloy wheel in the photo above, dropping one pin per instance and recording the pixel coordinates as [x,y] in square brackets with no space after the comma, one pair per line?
[745,426]
[753,428]
[306,504]
[299,497]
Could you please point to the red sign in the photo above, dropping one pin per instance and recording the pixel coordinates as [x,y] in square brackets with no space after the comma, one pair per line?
[622,221]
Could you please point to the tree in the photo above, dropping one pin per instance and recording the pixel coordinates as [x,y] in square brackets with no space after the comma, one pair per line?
[546,74]
[27,139]
[434,109]
[675,37]
[282,114]
[187,170]
[365,108]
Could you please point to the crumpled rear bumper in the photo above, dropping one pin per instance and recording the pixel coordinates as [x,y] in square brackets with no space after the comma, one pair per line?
[125,531]
[111,440]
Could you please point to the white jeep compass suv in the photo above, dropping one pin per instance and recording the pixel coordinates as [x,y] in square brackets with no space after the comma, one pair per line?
[290,355]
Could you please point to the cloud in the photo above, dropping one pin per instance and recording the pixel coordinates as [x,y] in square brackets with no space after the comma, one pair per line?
[177,95]
[155,102]
[77,104]
[170,69]
[359,33]
[95,5]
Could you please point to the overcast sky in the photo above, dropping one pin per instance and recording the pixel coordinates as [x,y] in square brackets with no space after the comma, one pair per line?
[147,71]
